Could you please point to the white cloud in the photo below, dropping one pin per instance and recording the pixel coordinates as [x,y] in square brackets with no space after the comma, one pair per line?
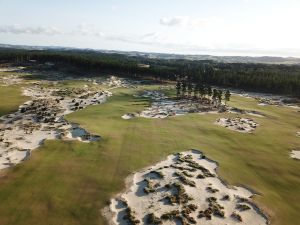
[18,29]
[184,21]
[173,21]
[81,30]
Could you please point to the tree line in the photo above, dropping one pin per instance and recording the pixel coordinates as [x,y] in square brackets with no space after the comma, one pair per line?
[280,79]
[186,88]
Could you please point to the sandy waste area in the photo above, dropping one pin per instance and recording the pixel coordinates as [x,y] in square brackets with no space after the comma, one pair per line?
[42,118]
[295,154]
[163,107]
[183,189]
[244,125]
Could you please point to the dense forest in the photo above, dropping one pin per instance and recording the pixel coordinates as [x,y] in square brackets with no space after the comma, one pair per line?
[281,79]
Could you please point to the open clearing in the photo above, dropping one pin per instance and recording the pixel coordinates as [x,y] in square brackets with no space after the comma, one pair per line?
[69,182]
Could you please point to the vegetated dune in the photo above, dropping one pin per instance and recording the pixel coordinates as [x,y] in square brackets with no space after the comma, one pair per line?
[243,125]
[42,118]
[163,107]
[184,189]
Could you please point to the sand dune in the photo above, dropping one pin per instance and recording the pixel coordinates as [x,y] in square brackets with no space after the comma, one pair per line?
[42,118]
[183,189]
[243,125]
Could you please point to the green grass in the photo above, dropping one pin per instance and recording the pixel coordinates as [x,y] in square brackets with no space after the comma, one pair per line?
[69,182]
[10,99]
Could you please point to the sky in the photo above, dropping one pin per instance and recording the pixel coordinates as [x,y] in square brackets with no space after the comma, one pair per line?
[215,27]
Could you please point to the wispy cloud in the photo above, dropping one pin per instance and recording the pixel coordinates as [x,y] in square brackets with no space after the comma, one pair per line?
[183,21]
[18,29]
[82,30]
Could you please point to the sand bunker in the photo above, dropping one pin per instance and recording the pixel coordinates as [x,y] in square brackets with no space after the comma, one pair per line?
[184,189]
[162,107]
[129,116]
[114,81]
[42,118]
[295,154]
[244,125]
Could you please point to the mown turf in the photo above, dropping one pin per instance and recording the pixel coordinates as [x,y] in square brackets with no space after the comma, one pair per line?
[69,182]
[10,99]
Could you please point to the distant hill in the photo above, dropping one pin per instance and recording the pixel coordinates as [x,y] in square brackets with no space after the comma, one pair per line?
[224,59]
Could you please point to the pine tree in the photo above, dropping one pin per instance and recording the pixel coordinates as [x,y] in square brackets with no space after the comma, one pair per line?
[214,96]
[196,91]
[227,96]
[220,93]
[178,88]
[189,88]
[202,91]
[209,91]
[183,88]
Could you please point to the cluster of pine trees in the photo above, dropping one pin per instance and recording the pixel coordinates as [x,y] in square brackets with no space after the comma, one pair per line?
[185,88]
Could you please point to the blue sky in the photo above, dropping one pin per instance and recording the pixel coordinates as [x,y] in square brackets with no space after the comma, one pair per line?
[217,27]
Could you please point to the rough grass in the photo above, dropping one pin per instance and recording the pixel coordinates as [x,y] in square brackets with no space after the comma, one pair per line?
[69,182]
[10,99]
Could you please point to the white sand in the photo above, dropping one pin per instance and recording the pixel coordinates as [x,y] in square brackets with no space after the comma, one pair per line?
[295,154]
[114,81]
[143,203]
[162,107]
[244,125]
[74,132]
[11,69]
[42,118]
[11,79]
[128,116]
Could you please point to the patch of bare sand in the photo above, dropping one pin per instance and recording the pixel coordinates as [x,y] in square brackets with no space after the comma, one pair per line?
[163,107]
[243,125]
[42,118]
[295,154]
[183,189]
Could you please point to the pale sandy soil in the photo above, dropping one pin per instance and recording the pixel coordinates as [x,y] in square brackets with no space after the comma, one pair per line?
[244,125]
[114,81]
[11,79]
[162,107]
[295,154]
[42,118]
[183,189]
[11,69]
[129,116]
